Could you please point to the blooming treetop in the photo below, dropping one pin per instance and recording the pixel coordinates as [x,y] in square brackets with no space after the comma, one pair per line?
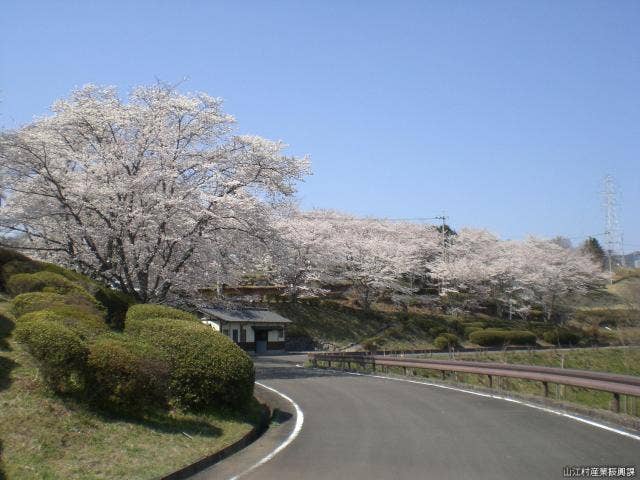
[140,192]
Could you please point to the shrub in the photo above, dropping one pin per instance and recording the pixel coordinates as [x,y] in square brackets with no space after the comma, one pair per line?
[371,344]
[116,304]
[496,338]
[36,282]
[7,325]
[207,368]
[436,331]
[60,352]
[562,336]
[13,267]
[469,330]
[34,301]
[521,337]
[150,310]
[85,325]
[7,255]
[125,373]
[446,340]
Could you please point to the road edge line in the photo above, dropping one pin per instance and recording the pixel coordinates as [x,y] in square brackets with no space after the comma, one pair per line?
[292,436]
[501,397]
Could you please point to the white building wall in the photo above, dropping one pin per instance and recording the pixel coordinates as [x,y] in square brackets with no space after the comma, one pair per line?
[213,324]
[251,337]
[273,336]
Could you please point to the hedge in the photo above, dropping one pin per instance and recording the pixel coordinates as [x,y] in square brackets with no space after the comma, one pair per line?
[7,324]
[34,301]
[207,368]
[446,340]
[7,255]
[86,325]
[469,330]
[151,310]
[562,336]
[36,282]
[16,266]
[116,304]
[125,373]
[60,352]
[495,337]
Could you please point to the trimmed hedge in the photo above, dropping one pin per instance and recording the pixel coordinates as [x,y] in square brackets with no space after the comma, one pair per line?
[116,303]
[151,310]
[125,373]
[16,266]
[207,368]
[60,352]
[446,340]
[562,336]
[469,330]
[86,325]
[496,338]
[7,324]
[36,282]
[34,301]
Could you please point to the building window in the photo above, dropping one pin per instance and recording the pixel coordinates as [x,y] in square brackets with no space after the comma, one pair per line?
[235,335]
[225,331]
[281,334]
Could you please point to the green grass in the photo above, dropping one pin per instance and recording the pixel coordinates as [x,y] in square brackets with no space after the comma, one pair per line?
[46,436]
[614,360]
[330,322]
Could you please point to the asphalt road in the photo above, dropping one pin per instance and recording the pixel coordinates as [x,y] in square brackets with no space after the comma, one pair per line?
[358,427]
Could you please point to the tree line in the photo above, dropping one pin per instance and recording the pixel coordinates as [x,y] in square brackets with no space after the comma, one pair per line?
[158,196]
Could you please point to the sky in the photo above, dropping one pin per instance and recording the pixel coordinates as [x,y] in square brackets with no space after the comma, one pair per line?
[503,115]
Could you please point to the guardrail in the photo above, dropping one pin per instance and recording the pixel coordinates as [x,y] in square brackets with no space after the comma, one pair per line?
[608,382]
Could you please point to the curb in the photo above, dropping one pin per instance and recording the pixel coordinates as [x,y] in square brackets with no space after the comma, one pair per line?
[211,459]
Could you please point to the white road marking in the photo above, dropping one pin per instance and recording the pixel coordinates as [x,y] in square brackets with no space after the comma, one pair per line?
[292,436]
[500,397]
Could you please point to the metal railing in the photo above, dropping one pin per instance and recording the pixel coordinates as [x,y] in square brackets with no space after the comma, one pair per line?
[608,382]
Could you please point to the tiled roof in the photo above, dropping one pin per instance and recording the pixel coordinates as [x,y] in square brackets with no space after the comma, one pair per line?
[246,316]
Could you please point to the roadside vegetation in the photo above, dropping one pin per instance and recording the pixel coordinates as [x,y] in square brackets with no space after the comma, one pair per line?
[623,360]
[342,324]
[95,386]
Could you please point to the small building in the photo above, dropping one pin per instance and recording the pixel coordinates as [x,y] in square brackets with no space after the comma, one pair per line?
[254,330]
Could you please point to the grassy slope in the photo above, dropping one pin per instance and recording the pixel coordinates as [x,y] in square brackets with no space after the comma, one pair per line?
[340,325]
[330,322]
[44,436]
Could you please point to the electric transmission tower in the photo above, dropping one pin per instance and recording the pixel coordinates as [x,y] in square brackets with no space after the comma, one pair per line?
[613,236]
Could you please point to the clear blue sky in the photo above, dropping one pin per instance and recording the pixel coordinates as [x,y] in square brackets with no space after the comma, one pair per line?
[506,115]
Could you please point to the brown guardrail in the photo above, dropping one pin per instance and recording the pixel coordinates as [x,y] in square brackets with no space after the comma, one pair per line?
[608,382]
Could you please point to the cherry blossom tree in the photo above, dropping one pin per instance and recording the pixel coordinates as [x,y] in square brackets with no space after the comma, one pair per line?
[553,272]
[141,193]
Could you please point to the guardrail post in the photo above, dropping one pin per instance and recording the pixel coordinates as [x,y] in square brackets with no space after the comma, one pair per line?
[615,404]
[443,374]
[490,381]
[404,369]
[546,388]
[314,362]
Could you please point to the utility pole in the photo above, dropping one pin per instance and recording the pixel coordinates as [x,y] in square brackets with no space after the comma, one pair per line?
[443,217]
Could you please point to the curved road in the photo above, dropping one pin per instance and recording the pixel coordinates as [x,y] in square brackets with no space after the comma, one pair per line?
[358,427]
